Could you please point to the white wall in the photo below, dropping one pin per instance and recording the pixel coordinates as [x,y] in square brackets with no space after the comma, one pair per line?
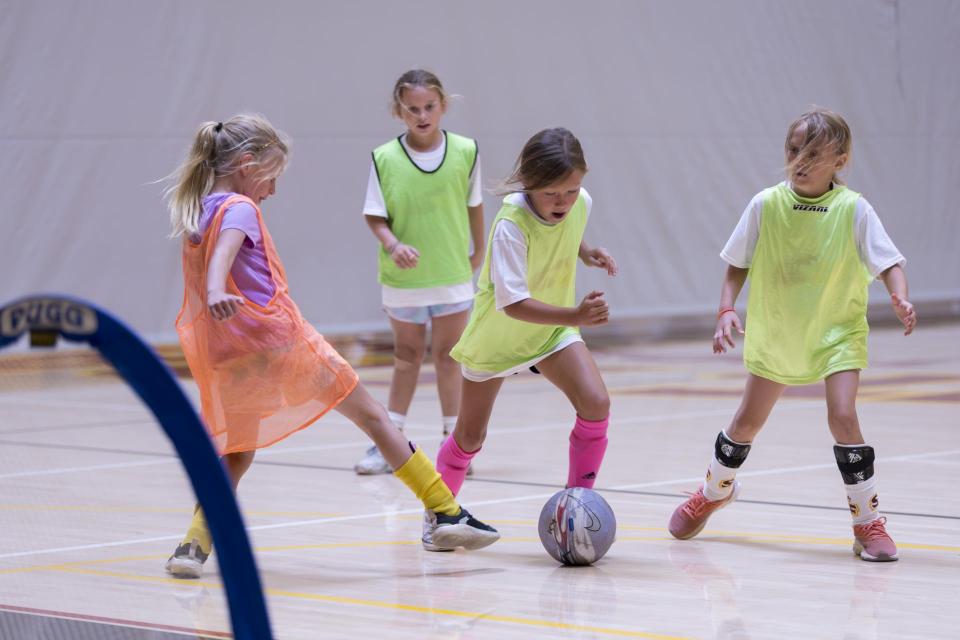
[681,107]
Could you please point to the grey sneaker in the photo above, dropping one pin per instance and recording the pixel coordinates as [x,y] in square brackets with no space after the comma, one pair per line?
[372,463]
[187,561]
[445,533]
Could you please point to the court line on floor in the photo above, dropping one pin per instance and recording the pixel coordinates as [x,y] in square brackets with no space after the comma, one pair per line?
[485,616]
[661,536]
[114,622]
[380,514]
[503,431]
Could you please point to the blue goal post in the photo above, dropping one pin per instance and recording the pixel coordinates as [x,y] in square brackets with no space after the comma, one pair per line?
[45,317]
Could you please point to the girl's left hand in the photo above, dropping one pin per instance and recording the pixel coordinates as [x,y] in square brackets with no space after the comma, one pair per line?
[905,312]
[599,257]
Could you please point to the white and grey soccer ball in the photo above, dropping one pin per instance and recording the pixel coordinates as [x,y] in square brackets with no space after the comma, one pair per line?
[577,526]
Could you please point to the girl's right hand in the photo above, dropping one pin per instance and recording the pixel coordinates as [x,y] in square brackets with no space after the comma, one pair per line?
[404,256]
[592,310]
[222,305]
[723,336]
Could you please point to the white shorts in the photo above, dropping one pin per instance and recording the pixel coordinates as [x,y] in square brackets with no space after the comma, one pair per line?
[482,376]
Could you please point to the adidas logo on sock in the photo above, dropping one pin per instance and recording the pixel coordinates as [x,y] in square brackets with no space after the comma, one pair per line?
[590,476]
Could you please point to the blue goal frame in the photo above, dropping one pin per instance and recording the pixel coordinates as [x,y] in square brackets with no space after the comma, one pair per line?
[47,316]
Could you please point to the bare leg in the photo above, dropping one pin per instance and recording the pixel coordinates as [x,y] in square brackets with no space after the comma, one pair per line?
[841,389]
[445,333]
[476,405]
[574,372]
[759,397]
[363,410]
[409,342]
[236,465]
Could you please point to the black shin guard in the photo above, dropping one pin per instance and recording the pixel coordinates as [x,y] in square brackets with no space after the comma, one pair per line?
[855,463]
[729,453]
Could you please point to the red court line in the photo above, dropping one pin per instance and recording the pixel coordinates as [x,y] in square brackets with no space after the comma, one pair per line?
[66,615]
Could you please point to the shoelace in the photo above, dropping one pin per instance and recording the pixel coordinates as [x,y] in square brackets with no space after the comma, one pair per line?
[695,505]
[875,529]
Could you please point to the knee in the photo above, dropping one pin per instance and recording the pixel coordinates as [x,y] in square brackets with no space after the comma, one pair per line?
[442,358]
[239,461]
[409,353]
[843,420]
[470,437]
[593,405]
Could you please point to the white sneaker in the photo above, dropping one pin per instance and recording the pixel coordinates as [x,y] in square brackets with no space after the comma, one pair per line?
[372,463]
[187,561]
[445,533]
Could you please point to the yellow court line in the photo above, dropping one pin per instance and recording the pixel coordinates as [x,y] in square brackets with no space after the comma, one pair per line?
[395,606]
[183,510]
[707,535]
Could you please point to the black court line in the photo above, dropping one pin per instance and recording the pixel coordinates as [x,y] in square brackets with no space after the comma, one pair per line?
[517,483]
[24,622]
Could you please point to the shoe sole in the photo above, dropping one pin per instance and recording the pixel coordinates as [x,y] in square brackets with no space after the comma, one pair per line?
[859,551]
[189,569]
[462,535]
[733,496]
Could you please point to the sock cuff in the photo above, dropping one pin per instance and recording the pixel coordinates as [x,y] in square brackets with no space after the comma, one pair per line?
[466,456]
[599,426]
[397,419]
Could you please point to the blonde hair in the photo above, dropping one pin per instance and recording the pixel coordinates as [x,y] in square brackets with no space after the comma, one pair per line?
[415,78]
[824,129]
[216,152]
[547,158]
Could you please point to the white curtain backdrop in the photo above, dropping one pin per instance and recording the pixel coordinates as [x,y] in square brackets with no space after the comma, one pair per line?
[681,106]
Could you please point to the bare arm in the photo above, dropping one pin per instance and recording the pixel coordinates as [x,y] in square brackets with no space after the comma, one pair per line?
[597,257]
[896,282]
[591,311]
[476,234]
[727,318]
[403,255]
[223,305]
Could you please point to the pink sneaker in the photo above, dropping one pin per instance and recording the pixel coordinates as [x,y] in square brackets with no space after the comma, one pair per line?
[690,518]
[872,542]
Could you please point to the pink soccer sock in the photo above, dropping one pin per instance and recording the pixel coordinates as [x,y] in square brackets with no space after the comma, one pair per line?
[588,442]
[452,463]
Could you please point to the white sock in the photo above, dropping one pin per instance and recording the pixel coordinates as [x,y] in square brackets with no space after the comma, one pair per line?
[719,481]
[398,419]
[449,422]
[862,500]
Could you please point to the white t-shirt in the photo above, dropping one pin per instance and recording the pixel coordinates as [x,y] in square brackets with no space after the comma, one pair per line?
[874,246]
[508,254]
[375,205]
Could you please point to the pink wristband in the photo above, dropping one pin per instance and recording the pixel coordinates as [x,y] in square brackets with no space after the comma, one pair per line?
[723,311]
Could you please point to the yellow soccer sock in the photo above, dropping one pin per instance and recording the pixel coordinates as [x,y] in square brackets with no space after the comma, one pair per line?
[199,530]
[419,474]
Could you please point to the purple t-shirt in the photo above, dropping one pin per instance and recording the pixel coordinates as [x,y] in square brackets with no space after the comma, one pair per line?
[251,269]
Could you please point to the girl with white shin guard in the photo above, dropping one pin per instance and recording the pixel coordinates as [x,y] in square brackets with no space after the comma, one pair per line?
[811,247]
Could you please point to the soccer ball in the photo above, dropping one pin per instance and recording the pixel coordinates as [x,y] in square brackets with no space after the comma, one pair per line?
[577,526]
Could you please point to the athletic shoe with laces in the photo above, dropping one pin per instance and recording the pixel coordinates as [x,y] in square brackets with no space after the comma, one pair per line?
[187,561]
[872,542]
[445,533]
[691,517]
[372,463]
